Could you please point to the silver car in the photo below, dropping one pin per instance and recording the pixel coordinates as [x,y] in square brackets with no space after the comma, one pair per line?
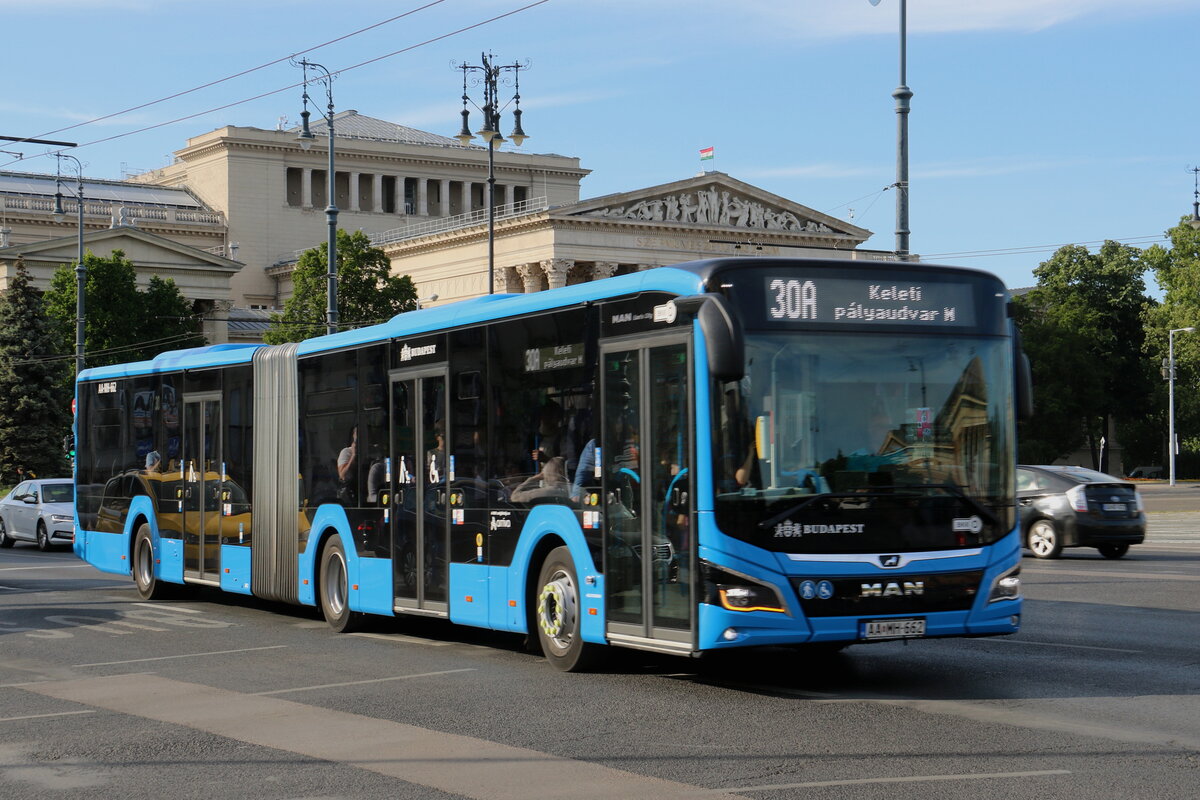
[41,511]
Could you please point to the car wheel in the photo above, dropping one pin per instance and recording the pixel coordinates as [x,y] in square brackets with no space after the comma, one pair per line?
[1043,539]
[1113,550]
[558,614]
[5,539]
[43,538]
[149,587]
[335,589]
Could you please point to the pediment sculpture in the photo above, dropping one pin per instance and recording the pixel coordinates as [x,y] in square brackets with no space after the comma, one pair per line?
[713,206]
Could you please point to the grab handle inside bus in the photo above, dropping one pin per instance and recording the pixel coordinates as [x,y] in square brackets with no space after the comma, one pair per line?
[722,334]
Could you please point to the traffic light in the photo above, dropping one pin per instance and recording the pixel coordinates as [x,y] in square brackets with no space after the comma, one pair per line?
[69,444]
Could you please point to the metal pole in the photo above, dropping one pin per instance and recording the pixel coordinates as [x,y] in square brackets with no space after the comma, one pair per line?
[491,215]
[903,95]
[1171,401]
[331,215]
[80,284]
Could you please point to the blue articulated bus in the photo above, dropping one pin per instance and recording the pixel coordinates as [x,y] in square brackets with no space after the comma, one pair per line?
[719,454]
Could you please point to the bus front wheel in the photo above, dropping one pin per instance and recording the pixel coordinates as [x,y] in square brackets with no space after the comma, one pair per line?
[335,589]
[558,614]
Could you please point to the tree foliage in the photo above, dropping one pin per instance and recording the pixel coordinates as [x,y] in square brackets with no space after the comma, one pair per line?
[367,292]
[1083,327]
[35,412]
[1177,271]
[121,322]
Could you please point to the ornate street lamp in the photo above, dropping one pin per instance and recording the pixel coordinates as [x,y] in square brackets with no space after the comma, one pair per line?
[490,78]
[903,95]
[80,268]
[306,139]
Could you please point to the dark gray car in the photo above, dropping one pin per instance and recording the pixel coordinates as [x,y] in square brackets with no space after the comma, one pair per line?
[1077,507]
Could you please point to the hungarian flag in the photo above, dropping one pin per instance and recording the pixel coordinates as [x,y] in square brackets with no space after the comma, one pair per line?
[706,154]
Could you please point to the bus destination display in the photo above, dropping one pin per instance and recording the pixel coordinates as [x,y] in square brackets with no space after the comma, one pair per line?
[867,302]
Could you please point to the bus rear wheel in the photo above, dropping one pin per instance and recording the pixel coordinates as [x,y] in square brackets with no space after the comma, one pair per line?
[558,614]
[335,589]
[149,587]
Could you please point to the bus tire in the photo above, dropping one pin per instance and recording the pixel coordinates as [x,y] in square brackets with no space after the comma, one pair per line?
[557,614]
[149,587]
[335,589]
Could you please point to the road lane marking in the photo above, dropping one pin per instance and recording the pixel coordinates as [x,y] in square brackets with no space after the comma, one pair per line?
[158,607]
[453,763]
[1049,572]
[44,716]
[360,683]
[69,566]
[968,776]
[402,639]
[183,655]
[1062,644]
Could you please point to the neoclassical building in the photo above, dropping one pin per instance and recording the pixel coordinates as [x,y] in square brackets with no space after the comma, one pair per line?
[239,204]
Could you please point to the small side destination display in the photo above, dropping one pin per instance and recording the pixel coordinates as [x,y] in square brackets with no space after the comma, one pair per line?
[869,302]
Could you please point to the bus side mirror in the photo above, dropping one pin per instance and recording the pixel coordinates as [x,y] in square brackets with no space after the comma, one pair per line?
[1022,378]
[722,334]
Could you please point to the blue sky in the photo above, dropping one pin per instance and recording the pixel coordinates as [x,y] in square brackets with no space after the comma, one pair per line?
[1034,123]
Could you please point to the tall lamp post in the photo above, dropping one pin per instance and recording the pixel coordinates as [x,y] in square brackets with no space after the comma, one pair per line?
[903,95]
[1171,394]
[306,138]
[80,267]
[489,77]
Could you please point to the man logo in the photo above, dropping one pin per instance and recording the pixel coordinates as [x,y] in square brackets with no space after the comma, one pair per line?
[889,561]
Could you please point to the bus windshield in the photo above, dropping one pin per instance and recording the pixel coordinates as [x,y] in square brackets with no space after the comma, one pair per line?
[848,442]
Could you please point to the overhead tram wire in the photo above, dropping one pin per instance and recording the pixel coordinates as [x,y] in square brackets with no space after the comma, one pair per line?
[289,87]
[1132,241]
[236,74]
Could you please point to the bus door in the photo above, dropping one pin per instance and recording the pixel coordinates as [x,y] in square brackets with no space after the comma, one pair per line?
[646,465]
[419,474]
[202,472]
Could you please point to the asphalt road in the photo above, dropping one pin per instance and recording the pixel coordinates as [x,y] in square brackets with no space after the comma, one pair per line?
[216,696]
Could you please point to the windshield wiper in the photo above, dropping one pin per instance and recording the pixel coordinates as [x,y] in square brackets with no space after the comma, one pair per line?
[955,491]
[778,518]
[949,488]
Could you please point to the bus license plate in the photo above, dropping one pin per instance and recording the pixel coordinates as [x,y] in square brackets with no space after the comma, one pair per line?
[892,628]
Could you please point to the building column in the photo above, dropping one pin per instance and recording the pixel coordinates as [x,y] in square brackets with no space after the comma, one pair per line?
[507,280]
[353,191]
[466,197]
[445,197]
[306,188]
[423,197]
[509,194]
[533,277]
[556,271]
[377,193]
[400,196]
[604,269]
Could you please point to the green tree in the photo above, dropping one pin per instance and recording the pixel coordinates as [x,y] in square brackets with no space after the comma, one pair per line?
[1083,327]
[121,323]
[367,291]
[1177,270]
[35,412]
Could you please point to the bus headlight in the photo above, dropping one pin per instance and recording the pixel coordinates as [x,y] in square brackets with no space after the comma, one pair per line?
[1007,585]
[736,592]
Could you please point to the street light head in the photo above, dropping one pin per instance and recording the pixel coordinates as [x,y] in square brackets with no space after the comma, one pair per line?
[1194,222]
[59,213]
[518,134]
[305,137]
[465,136]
